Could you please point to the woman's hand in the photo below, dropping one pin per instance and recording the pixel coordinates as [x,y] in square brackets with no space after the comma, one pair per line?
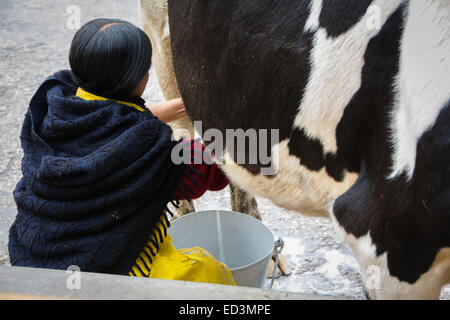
[169,111]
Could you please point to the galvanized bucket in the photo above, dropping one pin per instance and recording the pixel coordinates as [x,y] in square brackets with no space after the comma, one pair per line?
[243,243]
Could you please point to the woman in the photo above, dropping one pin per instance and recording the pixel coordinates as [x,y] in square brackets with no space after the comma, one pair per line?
[97,167]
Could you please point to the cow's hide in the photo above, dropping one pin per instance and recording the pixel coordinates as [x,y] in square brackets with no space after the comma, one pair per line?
[359,92]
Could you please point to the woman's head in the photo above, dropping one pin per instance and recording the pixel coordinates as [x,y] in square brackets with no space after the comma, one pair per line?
[111,58]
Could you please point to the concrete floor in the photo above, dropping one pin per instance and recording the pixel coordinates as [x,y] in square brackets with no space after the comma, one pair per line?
[33,283]
[35,39]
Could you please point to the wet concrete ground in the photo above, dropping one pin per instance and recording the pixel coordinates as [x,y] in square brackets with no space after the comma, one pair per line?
[35,39]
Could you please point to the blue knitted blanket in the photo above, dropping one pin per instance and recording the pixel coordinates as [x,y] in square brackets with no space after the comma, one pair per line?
[97,176]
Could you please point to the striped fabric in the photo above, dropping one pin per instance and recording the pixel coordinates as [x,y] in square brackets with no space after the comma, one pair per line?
[146,257]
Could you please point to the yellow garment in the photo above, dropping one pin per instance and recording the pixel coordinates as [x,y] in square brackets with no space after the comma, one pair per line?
[193,264]
[89,96]
[160,259]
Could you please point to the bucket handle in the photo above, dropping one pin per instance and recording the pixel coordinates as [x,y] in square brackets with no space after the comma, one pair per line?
[279,245]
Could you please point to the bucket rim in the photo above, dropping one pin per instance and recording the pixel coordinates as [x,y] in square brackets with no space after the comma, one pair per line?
[247,217]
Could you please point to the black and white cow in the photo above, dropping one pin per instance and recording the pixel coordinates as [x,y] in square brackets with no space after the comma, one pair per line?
[359,90]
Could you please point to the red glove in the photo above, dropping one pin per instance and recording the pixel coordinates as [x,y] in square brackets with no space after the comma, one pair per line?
[200,176]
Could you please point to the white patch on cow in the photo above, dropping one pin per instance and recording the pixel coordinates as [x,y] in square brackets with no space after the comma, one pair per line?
[336,66]
[294,187]
[423,79]
[312,24]
[388,287]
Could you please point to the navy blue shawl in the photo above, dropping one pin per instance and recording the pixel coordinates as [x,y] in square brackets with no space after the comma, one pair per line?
[97,176]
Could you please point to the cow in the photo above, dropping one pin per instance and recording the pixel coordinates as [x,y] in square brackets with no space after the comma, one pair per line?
[358,91]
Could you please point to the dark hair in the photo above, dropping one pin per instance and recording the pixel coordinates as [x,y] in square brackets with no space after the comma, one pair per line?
[109,57]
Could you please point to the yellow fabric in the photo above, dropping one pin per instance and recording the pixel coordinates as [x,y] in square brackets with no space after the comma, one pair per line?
[83,94]
[193,264]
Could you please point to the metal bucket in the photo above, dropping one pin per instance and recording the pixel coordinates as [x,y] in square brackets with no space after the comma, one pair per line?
[243,243]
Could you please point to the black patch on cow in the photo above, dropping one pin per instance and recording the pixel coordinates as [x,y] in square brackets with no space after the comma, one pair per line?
[335,167]
[310,150]
[363,133]
[241,64]
[311,154]
[407,219]
[337,17]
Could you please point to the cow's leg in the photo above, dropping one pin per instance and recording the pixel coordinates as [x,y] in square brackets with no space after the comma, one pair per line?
[241,201]
[155,23]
